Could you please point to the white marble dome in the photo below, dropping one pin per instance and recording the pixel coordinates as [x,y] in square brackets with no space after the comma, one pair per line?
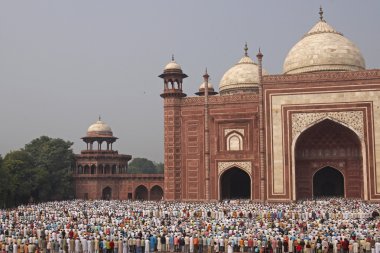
[99,128]
[243,76]
[173,65]
[323,49]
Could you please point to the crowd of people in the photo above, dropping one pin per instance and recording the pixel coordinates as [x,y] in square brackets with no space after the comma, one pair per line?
[333,225]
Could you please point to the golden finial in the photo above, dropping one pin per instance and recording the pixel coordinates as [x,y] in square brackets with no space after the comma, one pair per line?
[172,57]
[100,118]
[245,49]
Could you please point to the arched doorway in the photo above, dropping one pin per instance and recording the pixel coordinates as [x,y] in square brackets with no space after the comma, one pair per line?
[107,193]
[156,193]
[235,183]
[141,193]
[328,182]
[328,144]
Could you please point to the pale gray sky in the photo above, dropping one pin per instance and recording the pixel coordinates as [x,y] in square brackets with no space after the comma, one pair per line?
[63,63]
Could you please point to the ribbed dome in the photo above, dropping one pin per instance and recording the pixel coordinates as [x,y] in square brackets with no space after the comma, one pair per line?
[323,49]
[244,76]
[99,128]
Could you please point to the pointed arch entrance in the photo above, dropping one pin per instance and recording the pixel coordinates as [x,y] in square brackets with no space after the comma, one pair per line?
[235,183]
[328,182]
[107,193]
[141,193]
[332,146]
[156,193]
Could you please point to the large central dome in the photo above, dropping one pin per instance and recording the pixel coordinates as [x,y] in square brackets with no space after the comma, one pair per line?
[243,77]
[323,49]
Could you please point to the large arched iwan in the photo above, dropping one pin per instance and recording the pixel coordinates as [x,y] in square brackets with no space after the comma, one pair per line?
[328,144]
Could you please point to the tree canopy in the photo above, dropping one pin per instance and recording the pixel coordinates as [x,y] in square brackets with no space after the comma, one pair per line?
[37,172]
[143,165]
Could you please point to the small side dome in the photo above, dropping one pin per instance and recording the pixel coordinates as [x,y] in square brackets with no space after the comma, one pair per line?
[209,85]
[243,77]
[202,89]
[98,129]
[323,49]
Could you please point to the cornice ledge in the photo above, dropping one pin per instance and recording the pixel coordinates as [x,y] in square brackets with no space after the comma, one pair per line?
[322,76]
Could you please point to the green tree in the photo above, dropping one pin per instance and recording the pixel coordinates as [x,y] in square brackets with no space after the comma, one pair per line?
[141,163]
[144,166]
[160,167]
[22,177]
[4,185]
[53,159]
[38,172]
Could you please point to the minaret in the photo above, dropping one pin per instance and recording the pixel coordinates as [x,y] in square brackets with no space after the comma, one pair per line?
[207,140]
[172,95]
[261,129]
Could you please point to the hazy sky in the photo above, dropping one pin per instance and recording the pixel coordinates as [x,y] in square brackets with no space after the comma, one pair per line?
[63,63]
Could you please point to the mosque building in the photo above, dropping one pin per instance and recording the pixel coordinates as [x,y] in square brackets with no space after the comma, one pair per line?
[312,131]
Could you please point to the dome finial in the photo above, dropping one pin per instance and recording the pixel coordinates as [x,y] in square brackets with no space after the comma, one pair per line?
[206,76]
[172,57]
[245,49]
[100,118]
[259,54]
[321,13]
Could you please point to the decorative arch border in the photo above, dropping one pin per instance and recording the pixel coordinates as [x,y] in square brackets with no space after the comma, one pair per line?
[350,119]
[354,120]
[229,130]
[244,165]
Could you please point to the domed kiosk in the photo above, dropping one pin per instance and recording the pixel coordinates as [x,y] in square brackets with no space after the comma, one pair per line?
[323,49]
[173,78]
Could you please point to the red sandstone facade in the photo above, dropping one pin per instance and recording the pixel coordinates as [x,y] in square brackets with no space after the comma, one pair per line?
[327,142]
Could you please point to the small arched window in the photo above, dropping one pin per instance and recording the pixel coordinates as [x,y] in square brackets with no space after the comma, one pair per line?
[234,142]
[80,169]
